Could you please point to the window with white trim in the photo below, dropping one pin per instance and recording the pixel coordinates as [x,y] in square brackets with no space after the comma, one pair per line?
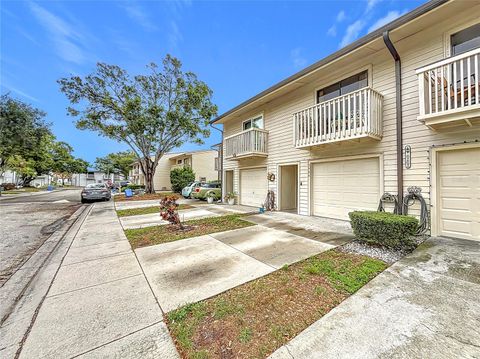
[350,84]
[465,40]
[256,122]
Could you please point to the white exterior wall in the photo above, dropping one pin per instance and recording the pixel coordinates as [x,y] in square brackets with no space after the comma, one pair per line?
[420,49]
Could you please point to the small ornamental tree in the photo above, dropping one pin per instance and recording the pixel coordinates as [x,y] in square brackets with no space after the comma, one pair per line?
[181,177]
[169,210]
[152,113]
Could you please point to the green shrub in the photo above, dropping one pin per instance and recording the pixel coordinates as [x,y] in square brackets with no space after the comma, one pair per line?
[181,177]
[387,229]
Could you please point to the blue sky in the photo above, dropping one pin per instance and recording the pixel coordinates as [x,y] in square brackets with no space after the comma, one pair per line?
[237,48]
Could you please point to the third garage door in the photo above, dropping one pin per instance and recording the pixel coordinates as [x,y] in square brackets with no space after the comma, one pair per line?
[253,186]
[339,187]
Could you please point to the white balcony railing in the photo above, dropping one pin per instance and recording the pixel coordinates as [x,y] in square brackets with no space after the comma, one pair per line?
[249,143]
[450,87]
[351,116]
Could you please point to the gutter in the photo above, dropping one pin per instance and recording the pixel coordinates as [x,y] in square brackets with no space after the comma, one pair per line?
[220,150]
[399,123]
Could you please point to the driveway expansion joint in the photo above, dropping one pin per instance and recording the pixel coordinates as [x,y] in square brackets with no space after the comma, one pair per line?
[98,258]
[115,340]
[92,286]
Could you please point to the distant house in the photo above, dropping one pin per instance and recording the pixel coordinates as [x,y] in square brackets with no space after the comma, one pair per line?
[82,179]
[204,163]
[8,177]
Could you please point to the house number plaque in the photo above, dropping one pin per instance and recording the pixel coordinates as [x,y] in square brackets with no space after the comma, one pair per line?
[408,156]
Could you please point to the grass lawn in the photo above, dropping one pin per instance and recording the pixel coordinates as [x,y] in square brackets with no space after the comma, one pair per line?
[146,210]
[256,318]
[144,197]
[148,236]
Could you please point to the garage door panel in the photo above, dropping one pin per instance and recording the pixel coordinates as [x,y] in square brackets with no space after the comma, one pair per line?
[253,186]
[458,183]
[459,204]
[343,186]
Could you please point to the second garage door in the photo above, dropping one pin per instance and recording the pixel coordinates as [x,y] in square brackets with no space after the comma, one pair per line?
[339,187]
[253,186]
[459,193]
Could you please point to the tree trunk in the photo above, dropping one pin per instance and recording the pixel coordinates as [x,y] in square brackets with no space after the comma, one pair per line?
[149,173]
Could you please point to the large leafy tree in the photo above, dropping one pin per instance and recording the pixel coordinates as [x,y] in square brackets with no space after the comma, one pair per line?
[119,162]
[64,163]
[151,113]
[25,139]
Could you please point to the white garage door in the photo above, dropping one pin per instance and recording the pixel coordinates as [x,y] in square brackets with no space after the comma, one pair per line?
[459,193]
[253,186]
[340,187]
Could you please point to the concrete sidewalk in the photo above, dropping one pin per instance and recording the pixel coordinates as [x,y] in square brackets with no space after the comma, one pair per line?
[424,306]
[100,303]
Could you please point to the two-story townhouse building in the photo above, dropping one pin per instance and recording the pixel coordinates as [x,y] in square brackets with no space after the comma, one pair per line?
[397,108]
[203,163]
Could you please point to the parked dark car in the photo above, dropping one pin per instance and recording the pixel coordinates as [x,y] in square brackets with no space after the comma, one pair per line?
[95,191]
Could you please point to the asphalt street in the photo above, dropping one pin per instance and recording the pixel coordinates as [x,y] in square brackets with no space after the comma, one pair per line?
[26,223]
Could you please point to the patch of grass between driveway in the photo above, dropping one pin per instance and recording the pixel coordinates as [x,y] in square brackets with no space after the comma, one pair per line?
[148,236]
[256,318]
[146,210]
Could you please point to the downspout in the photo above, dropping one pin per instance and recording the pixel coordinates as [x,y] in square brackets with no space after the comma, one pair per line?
[399,124]
[220,158]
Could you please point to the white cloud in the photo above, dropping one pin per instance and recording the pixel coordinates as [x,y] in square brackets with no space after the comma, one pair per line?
[135,12]
[174,35]
[298,60]
[341,16]
[392,15]
[332,31]
[371,4]
[69,44]
[352,33]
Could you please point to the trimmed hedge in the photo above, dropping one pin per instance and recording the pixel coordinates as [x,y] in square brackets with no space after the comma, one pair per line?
[387,229]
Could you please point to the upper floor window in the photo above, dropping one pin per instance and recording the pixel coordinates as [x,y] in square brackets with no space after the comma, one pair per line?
[465,40]
[256,122]
[350,84]
[179,162]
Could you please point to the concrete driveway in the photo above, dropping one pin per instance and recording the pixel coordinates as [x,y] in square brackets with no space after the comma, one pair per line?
[424,306]
[197,268]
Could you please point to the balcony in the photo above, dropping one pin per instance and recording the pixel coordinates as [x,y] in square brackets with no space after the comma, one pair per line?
[353,116]
[247,144]
[449,92]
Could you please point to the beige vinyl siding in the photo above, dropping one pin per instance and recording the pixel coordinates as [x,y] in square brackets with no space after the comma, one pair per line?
[417,50]
[203,164]
[161,179]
